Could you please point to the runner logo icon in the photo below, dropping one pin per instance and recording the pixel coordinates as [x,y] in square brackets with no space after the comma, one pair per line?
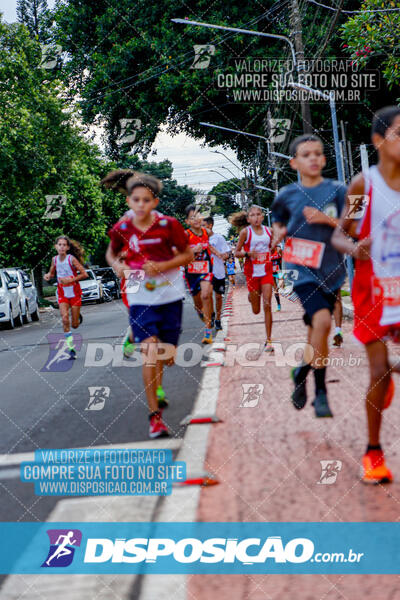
[59,359]
[251,394]
[329,471]
[62,547]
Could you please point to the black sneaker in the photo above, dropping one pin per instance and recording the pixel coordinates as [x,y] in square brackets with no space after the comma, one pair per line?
[201,316]
[337,340]
[212,320]
[72,354]
[218,326]
[321,406]
[299,396]
[80,318]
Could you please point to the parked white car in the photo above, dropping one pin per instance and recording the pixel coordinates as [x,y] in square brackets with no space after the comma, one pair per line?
[92,288]
[10,310]
[28,298]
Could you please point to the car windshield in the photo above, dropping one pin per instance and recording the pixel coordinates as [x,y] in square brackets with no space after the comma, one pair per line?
[12,276]
[106,275]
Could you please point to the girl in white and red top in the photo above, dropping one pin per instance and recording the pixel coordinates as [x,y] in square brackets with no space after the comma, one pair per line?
[254,244]
[376,284]
[69,271]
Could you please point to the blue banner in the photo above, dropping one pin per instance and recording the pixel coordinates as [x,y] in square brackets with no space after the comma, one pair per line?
[206,548]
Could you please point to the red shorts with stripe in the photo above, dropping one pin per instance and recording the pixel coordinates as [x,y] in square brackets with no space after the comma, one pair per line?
[254,284]
[367,310]
[76,300]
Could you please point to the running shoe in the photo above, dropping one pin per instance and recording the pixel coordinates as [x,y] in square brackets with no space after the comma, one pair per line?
[128,348]
[80,318]
[374,469]
[268,347]
[389,394]
[278,308]
[212,320]
[201,316]
[72,354]
[321,406]
[157,426]
[69,342]
[218,326]
[161,398]
[299,396]
[207,339]
[337,340]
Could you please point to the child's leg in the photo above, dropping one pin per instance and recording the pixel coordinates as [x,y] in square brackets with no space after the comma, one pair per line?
[277,298]
[218,306]
[75,312]
[338,311]
[198,303]
[321,325]
[64,312]
[255,301]
[266,291]
[206,299]
[379,369]
[150,372]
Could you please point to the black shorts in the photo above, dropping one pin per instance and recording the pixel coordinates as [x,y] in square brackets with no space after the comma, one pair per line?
[314,298]
[163,321]
[218,285]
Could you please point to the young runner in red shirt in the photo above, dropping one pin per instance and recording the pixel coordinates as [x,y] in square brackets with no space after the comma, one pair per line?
[154,247]
[68,268]
[254,244]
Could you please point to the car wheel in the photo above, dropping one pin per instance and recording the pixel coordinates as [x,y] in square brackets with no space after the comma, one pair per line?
[35,315]
[27,316]
[19,319]
[10,322]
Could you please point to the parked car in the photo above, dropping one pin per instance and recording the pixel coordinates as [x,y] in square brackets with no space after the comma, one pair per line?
[10,310]
[28,297]
[92,288]
[109,280]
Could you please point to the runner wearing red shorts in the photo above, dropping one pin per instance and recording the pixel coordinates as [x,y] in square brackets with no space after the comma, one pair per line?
[376,284]
[69,270]
[254,244]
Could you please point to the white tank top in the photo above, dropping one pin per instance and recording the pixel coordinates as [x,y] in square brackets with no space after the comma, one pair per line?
[259,243]
[385,233]
[64,269]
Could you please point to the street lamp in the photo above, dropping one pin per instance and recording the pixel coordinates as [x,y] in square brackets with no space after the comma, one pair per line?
[227,158]
[246,31]
[226,178]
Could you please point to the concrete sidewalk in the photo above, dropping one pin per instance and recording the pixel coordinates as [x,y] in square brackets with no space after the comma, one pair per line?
[267,458]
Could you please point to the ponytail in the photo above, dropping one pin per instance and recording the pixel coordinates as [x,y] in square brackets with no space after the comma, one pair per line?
[239,220]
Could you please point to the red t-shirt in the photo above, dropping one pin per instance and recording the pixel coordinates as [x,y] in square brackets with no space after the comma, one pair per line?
[153,244]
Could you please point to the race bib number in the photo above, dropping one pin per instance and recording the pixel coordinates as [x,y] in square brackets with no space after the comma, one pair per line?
[261,258]
[304,252]
[199,267]
[387,290]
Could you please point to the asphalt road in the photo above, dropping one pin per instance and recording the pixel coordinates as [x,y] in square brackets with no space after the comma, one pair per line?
[43,408]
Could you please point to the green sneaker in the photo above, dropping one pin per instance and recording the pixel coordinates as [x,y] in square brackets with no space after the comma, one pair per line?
[128,347]
[162,400]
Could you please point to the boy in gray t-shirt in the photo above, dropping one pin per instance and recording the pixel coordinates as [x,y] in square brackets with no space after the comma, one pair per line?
[306,214]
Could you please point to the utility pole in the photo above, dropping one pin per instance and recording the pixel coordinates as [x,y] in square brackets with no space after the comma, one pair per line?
[297,37]
[271,150]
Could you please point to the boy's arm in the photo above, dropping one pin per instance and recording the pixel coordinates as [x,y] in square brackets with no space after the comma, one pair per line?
[342,238]
[314,216]
[214,251]
[279,231]
[113,259]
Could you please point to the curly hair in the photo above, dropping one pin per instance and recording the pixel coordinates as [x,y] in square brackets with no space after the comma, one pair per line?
[75,247]
[126,180]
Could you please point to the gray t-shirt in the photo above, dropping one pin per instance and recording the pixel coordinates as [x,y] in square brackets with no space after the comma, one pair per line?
[329,198]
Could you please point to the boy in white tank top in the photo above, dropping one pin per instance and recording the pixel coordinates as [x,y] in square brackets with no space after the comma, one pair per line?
[375,196]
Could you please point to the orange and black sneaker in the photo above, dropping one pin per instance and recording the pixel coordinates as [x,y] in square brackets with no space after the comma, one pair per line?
[374,469]
[389,394]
